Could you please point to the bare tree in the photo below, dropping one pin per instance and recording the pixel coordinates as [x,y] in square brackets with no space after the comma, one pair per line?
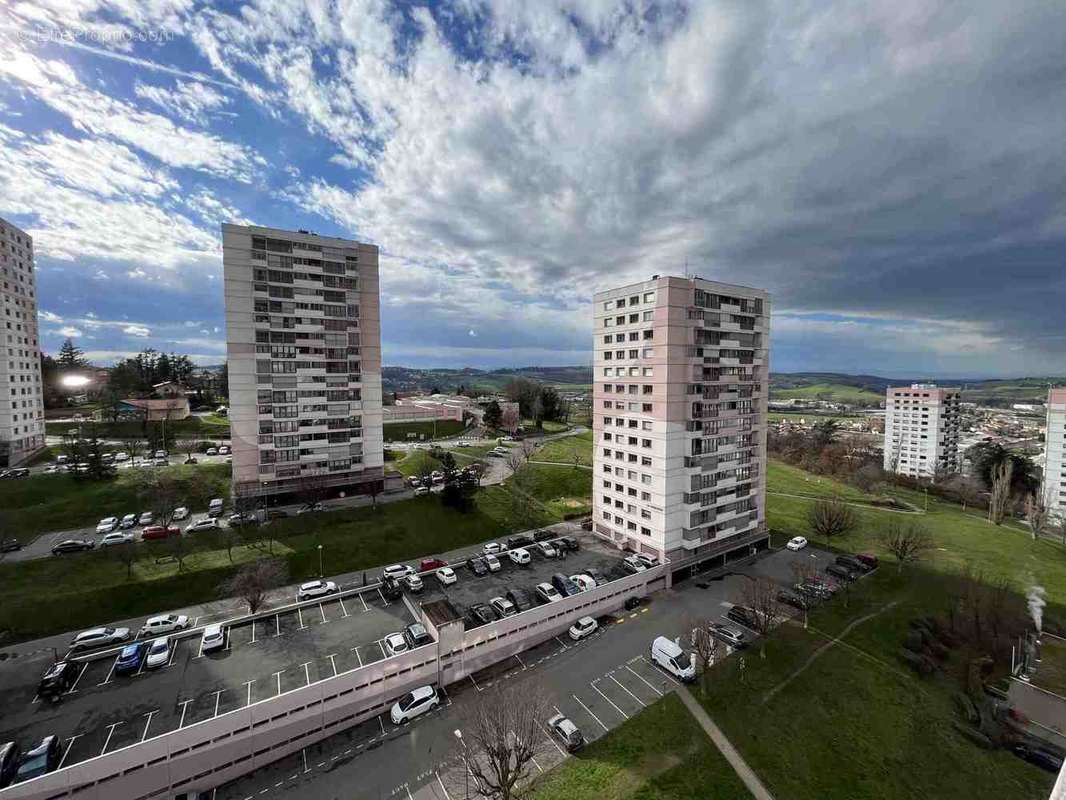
[134,447]
[707,650]
[907,541]
[125,554]
[514,461]
[1001,491]
[159,493]
[502,732]
[760,595]
[1036,513]
[178,547]
[252,582]
[830,518]
[188,447]
[527,449]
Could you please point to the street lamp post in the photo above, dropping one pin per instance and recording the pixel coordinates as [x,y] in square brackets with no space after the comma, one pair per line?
[320,573]
[466,765]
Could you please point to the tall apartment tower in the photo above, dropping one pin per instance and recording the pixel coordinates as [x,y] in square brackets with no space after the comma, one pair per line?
[922,430]
[21,393]
[1055,454]
[303,337]
[679,415]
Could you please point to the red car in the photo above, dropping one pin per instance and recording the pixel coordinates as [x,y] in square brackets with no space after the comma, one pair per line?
[431,563]
[159,532]
[869,559]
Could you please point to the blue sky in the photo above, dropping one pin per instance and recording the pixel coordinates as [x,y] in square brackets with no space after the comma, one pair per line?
[890,170]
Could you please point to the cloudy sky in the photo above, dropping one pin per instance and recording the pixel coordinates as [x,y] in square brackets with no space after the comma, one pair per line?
[893,171]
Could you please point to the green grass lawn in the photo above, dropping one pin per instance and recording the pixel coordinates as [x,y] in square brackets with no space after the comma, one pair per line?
[833,392]
[44,503]
[565,450]
[563,491]
[660,754]
[1051,674]
[209,426]
[546,426]
[398,431]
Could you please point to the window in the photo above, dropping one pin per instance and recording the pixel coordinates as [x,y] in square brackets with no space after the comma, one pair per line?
[649,297]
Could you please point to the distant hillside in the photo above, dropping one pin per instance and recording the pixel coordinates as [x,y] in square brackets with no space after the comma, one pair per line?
[870,389]
[409,379]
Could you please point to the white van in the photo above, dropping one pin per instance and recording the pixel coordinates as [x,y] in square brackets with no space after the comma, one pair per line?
[668,655]
[214,508]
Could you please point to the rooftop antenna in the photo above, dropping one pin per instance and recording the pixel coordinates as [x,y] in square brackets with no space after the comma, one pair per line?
[687,276]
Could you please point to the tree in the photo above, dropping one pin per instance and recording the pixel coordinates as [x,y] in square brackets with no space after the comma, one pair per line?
[312,490]
[1036,513]
[134,447]
[502,733]
[253,581]
[125,554]
[825,433]
[510,419]
[522,391]
[1001,491]
[536,411]
[760,595]
[177,546]
[447,464]
[493,415]
[99,469]
[830,518]
[188,447]
[162,494]
[988,457]
[908,541]
[707,649]
[70,356]
[458,492]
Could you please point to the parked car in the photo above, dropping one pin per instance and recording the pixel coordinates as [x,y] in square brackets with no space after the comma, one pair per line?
[1042,756]
[633,602]
[313,589]
[165,623]
[648,561]
[586,626]
[40,760]
[214,508]
[477,565]
[277,513]
[567,543]
[744,616]
[72,546]
[546,549]
[493,548]
[566,732]
[793,599]
[128,521]
[242,520]
[145,518]
[414,703]
[522,599]
[543,536]
[413,583]
[153,532]
[211,451]
[213,638]
[669,656]
[854,564]
[492,563]
[9,762]
[796,543]
[159,454]
[428,564]
[841,572]
[503,607]
[519,540]
[394,644]
[131,658]
[390,589]
[481,614]
[446,576]
[121,457]
[596,575]
[160,462]
[95,637]
[118,537]
[10,545]
[519,556]
[224,450]
[414,481]
[416,635]
[18,472]
[180,513]
[397,571]
[421,491]
[734,637]
[583,582]
[205,524]
[107,524]
[547,593]
[58,679]
[633,564]
[586,524]
[158,653]
[565,586]
[869,559]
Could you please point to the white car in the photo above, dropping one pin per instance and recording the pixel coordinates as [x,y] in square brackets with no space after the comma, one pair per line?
[206,524]
[414,703]
[159,454]
[634,564]
[107,524]
[211,451]
[583,582]
[121,457]
[414,481]
[116,538]
[546,549]
[548,593]
[161,462]
[394,644]
[397,571]
[586,626]
[94,637]
[493,548]
[145,518]
[503,607]
[796,543]
[128,521]
[421,491]
[647,561]
[180,513]
[567,732]
[153,626]
[315,589]
[446,576]
[158,653]
[413,583]
[214,638]
[519,556]
[223,450]
[51,469]
[491,562]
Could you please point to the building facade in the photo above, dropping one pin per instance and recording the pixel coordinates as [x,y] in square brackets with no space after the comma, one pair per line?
[922,430]
[21,392]
[303,338]
[1055,454]
[679,417]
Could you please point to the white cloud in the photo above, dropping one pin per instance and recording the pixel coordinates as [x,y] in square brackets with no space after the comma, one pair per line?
[70,331]
[49,316]
[137,330]
[190,100]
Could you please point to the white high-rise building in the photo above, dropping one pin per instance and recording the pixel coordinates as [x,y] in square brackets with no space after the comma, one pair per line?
[922,430]
[303,338]
[679,415]
[1055,454]
[21,392]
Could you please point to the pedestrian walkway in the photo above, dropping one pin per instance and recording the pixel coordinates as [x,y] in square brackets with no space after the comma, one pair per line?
[725,747]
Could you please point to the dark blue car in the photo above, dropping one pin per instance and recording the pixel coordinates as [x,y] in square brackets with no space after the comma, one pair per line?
[129,660]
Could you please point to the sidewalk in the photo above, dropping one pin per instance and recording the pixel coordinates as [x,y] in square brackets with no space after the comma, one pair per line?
[736,761]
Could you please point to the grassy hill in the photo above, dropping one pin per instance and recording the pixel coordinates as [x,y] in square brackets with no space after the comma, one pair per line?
[870,389]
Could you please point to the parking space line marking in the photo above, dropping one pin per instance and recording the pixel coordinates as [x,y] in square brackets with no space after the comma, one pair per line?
[333,660]
[534,760]
[110,672]
[300,613]
[147,722]
[360,658]
[173,652]
[322,609]
[561,642]
[307,672]
[520,661]
[605,697]
[218,697]
[277,625]
[361,600]
[662,672]
[184,708]
[74,688]
[278,676]
[200,650]
[383,600]
[471,676]
[381,723]
[253,633]
[70,744]
[644,681]
[408,788]
[303,750]
[442,788]
[110,731]
[624,689]
[341,601]
[589,710]
[552,738]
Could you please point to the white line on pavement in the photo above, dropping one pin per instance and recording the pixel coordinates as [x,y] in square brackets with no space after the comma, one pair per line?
[361,600]
[307,673]
[147,722]
[110,672]
[173,652]
[253,633]
[442,787]
[589,710]
[300,613]
[184,708]
[383,600]
[471,676]
[277,625]
[70,744]
[640,678]
[304,752]
[520,661]
[249,685]
[358,657]
[624,689]
[322,609]
[609,700]
[343,609]
[74,688]
[218,697]
[278,676]
[551,739]
[110,731]
[333,660]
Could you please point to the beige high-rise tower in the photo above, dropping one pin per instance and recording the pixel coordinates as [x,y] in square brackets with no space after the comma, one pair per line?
[922,430]
[303,338]
[679,415]
[21,393]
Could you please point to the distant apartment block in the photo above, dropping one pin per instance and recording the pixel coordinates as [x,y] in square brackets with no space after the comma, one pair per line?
[1055,454]
[303,340]
[679,416]
[922,430]
[21,395]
